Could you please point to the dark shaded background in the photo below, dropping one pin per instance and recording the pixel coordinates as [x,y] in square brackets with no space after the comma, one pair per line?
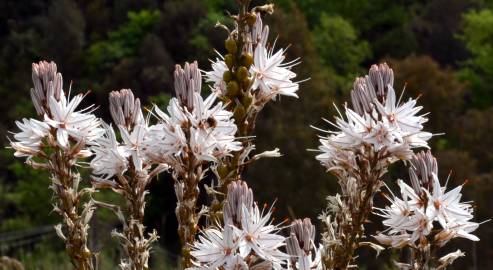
[442,49]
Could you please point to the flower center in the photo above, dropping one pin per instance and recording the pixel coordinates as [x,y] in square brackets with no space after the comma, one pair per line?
[391,117]
[249,237]
[437,204]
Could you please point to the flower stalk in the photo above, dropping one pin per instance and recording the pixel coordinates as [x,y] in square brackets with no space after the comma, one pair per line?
[57,144]
[378,131]
[195,134]
[123,168]
[248,77]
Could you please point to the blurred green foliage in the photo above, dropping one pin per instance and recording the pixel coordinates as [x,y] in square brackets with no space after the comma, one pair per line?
[122,42]
[441,50]
[478,70]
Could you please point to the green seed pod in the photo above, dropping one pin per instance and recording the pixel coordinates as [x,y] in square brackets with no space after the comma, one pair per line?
[230,44]
[239,113]
[246,60]
[227,76]
[247,99]
[229,60]
[232,89]
[246,83]
[251,18]
[242,73]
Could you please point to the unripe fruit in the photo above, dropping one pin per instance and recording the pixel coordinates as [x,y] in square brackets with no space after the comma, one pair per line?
[229,60]
[230,44]
[246,60]
[246,83]
[242,73]
[227,76]
[232,89]
[247,99]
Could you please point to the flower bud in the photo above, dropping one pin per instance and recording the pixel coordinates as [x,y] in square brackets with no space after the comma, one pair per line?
[230,44]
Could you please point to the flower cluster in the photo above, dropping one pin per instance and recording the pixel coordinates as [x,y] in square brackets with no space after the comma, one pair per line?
[247,240]
[376,132]
[271,75]
[61,122]
[426,215]
[112,158]
[192,125]
[123,167]
[378,120]
[57,143]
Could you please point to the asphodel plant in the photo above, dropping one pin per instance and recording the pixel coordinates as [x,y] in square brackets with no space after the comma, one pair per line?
[57,141]
[196,134]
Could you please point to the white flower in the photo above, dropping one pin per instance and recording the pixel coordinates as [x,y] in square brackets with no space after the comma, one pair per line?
[397,215]
[163,141]
[29,139]
[236,263]
[259,33]
[133,142]
[446,206]
[110,158]
[216,74]
[402,116]
[215,248]
[460,229]
[259,235]
[271,75]
[80,125]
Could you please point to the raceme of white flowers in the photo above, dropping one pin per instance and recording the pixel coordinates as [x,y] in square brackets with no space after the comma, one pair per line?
[426,213]
[377,131]
[378,119]
[272,76]
[191,123]
[112,157]
[61,121]
[57,142]
[247,240]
